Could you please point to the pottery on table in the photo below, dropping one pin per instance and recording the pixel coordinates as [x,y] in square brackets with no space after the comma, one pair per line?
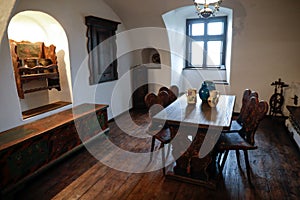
[205,88]
[213,98]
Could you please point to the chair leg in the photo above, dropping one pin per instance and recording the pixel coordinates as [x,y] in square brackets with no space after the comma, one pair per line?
[237,154]
[223,161]
[163,158]
[247,165]
[152,147]
[169,150]
[219,158]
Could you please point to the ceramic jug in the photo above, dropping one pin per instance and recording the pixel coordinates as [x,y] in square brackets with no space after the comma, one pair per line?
[191,96]
[213,98]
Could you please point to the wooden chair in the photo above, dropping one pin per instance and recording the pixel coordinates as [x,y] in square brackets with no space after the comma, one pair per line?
[243,139]
[164,137]
[160,132]
[237,124]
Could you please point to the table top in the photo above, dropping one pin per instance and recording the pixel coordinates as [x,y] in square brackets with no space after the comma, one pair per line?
[200,114]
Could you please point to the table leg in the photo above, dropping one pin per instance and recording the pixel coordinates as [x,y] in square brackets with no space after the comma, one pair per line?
[188,165]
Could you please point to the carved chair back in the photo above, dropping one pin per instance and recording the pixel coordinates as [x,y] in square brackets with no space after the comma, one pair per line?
[255,110]
[155,103]
[246,98]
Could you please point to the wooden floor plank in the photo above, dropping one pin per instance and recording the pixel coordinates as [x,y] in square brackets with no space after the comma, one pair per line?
[55,179]
[82,184]
[125,190]
[165,189]
[105,182]
[114,185]
[141,190]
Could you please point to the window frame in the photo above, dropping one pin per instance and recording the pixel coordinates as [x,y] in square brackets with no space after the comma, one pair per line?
[206,38]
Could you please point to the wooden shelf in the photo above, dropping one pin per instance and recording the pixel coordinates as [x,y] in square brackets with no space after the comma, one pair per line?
[34,61]
[40,88]
[38,76]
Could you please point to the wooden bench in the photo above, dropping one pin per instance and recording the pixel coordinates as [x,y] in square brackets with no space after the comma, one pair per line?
[28,149]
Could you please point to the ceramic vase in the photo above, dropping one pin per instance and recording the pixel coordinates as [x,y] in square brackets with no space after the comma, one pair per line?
[204,92]
[210,85]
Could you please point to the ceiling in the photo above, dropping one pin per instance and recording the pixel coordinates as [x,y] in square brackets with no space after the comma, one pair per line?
[136,13]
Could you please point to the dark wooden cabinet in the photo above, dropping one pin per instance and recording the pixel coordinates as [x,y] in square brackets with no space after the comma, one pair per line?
[139,86]
[293,123]
[23,159]
[102,49]
[27,149]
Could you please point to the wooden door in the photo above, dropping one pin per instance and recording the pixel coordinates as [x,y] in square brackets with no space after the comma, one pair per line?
[139,86]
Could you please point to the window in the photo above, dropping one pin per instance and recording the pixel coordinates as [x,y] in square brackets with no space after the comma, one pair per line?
[102,49]
[206,43]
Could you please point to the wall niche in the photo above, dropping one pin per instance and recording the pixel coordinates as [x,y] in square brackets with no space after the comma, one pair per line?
[40,59]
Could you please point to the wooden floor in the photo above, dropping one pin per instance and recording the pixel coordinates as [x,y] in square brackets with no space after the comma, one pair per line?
[275,172]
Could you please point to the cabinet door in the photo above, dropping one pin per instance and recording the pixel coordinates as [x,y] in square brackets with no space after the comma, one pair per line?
[62,140]
[140,86]
[90,126]
[23,159]
[102,119]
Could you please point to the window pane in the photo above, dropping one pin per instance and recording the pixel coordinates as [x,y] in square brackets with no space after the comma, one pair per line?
[197,29]
[214,52]
[197,53]
[215,28]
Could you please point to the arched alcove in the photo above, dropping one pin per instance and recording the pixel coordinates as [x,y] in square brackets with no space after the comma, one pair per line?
[151,56]
[36,26]
[175,22]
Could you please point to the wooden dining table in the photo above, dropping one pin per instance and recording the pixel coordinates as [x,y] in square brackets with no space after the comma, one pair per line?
[195,130]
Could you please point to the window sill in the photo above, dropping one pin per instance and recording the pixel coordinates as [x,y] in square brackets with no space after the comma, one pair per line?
[220,82]
[204,68]
[43,109]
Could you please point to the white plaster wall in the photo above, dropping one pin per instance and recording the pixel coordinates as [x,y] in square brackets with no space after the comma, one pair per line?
[265,46]
[6,8]
[70,14]
[144,38]
[265,43]
[10,110]
[158,77]
[175,25]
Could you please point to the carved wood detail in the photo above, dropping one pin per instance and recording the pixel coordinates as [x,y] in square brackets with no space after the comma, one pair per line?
[34,61]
